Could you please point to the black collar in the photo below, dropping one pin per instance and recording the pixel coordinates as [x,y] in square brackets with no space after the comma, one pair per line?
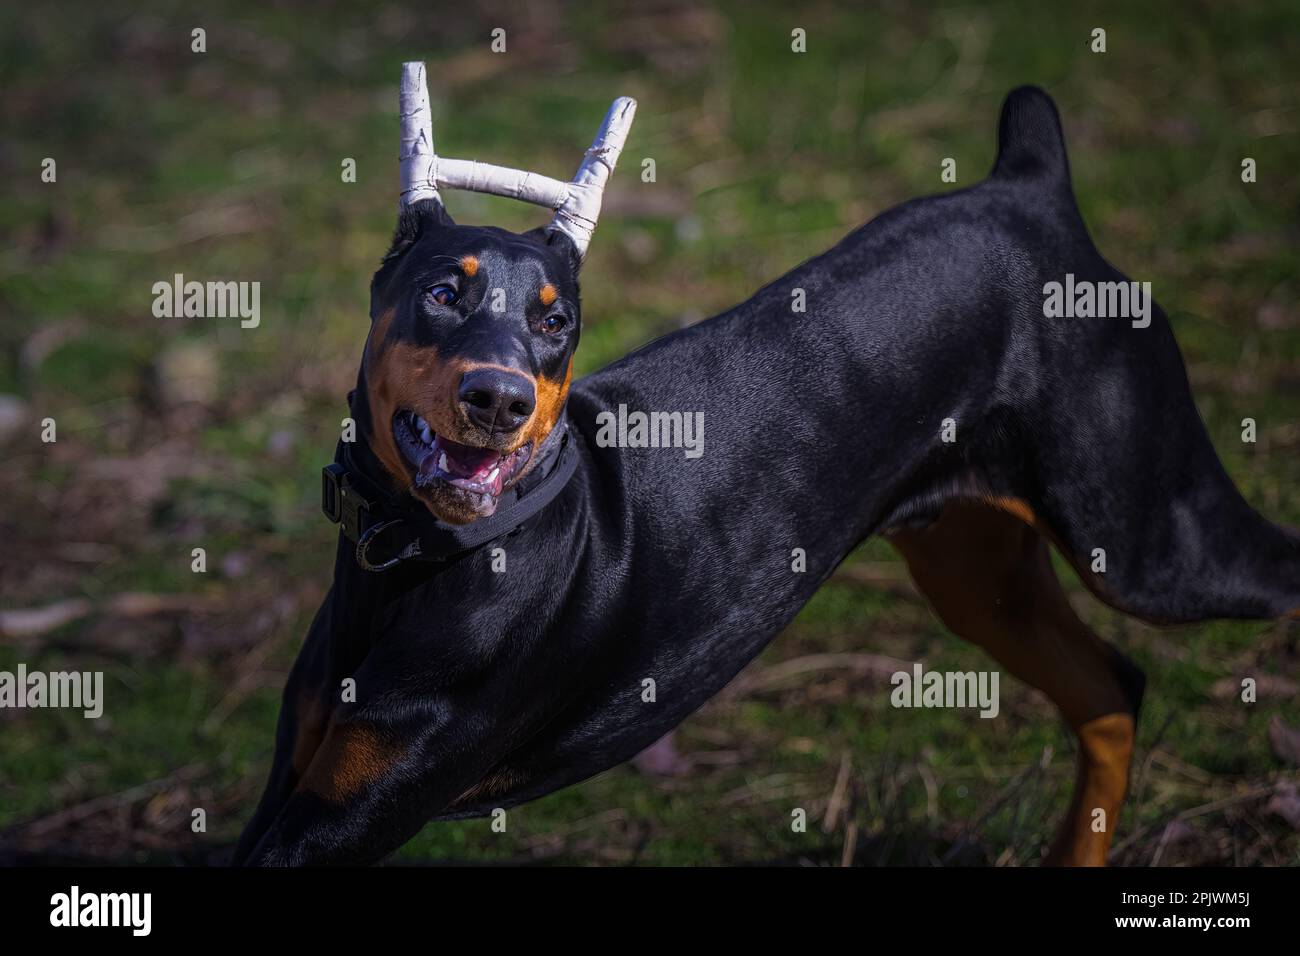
[388,530]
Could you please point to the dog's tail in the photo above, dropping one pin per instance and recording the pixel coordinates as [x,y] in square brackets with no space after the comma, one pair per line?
[1030,142]
[1135,477]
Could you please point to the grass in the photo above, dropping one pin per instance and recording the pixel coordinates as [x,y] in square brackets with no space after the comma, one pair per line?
[175,434]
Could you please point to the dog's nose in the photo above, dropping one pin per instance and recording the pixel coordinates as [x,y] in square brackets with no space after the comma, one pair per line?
[496,400]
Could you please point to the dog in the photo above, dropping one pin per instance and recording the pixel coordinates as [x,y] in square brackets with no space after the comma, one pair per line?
[508,587]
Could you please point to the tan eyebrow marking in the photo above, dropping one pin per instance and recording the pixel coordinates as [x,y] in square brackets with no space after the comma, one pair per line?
[469,265]
[547,294]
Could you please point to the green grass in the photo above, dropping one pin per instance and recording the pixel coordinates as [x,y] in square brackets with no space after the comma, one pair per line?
[175,434]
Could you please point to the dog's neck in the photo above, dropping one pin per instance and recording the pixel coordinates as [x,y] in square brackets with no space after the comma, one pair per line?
[397,527]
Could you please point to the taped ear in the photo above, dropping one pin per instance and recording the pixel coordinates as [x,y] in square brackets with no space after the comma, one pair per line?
[576,203]
[562,242]
[417,160]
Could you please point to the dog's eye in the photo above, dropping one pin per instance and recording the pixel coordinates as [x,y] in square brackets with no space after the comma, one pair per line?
[442,294]
[554,322]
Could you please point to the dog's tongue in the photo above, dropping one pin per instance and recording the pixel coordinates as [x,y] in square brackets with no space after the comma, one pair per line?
[463,461]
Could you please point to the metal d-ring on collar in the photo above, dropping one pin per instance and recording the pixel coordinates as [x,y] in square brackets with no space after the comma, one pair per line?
[365,512]
[411,551]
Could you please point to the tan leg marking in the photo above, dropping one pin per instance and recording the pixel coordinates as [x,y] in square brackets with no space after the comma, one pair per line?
[1105,752]
[990,579]
[349,759]
[308,734]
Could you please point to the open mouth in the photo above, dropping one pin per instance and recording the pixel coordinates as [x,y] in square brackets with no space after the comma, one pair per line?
[478,474]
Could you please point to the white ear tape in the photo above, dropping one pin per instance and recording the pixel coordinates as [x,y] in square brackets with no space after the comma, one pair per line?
[576,203]
[417,160]
[576,216]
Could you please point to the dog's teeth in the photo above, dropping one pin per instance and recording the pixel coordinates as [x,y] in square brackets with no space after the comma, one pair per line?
[442,462]
[424,430]
[493,476]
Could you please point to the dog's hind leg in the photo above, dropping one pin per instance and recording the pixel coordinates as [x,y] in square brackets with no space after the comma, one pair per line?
[1103,432]
[1126,475]
[989,577]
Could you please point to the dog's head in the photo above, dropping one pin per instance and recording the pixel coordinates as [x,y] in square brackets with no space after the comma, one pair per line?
[469,358]
[473,329]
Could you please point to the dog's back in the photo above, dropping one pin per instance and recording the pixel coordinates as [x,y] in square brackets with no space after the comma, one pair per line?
[926,379]
[914,362]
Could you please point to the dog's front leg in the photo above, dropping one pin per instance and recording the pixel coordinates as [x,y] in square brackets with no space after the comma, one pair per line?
[406,750]
[299,732]
[375,781]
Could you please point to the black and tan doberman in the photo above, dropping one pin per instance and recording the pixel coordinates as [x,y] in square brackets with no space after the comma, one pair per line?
[537,577]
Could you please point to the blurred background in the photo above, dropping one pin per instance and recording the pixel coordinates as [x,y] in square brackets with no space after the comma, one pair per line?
[183,433]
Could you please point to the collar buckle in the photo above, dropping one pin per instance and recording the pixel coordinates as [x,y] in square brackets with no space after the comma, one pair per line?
[343,502]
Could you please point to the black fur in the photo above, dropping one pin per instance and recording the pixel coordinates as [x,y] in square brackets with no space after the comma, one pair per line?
[821,429]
